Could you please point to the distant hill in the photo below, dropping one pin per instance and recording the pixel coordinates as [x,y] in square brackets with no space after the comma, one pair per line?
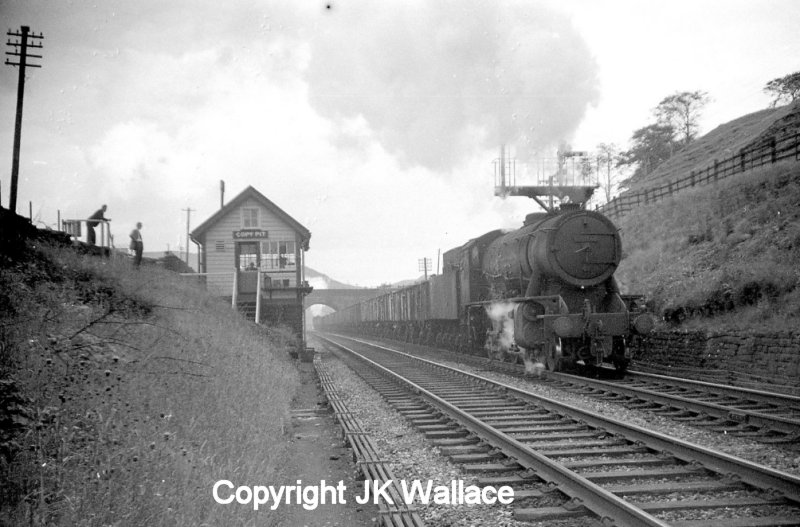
[323,281]
[722,142]
[326,282]
[407,283]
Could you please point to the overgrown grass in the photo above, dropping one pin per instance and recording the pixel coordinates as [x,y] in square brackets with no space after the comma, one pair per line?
[723,256]
[129,393]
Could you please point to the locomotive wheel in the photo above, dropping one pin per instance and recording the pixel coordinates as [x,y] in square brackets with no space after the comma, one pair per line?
[553,359]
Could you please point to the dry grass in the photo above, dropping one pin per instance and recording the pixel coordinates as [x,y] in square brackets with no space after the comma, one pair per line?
[724,254]
[131,393]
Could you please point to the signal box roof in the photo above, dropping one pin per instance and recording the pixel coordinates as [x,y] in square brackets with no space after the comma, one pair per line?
[305,235]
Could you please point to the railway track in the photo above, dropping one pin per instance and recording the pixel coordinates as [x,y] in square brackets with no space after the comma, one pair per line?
[569,463]
[756,414]
[764,416]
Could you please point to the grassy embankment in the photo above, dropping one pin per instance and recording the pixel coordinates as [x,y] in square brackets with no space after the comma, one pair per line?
[128,393]
[720,257]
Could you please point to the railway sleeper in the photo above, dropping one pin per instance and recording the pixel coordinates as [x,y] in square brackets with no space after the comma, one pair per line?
[644,405]
[740,502]
[512,411]
[600,444]
[542,426]
[446,434]
[503,425]
[664,472]
[739,429]
[673,412]
[482,457]
[512,466]
[772,521]
[455,441]
[527,478]
[788,438]
[587,452]
[670,487]
[464,449]
[425,420]
[437,428]
[526,416]
[630,462]
[549,513]
[552,437]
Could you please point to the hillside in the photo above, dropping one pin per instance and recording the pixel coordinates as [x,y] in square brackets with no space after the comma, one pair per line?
[722,256]
[126,393]
[723,142]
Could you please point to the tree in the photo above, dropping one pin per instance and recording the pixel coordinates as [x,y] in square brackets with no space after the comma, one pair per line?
[681,111]
[607,157]
[784,89]
[651,146]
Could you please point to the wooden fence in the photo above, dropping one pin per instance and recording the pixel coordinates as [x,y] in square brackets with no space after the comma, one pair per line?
[767,152]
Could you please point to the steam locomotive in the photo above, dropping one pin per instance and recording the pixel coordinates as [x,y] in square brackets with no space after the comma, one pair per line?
[544,294]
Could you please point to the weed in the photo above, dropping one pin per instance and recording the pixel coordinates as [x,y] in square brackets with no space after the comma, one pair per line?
[131,393]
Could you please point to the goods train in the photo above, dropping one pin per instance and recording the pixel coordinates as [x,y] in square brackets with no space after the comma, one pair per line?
[544,294]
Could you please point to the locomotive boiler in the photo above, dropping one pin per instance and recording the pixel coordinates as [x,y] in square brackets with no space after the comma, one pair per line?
[544,294]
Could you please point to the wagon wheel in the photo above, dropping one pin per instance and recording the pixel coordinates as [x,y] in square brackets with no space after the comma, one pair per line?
[553,357]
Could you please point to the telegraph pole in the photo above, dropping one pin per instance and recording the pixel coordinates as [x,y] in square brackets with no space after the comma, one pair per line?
[188,215]
[20,50]
[425,265]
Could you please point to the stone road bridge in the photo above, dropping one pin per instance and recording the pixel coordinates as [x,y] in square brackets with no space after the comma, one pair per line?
[341,298]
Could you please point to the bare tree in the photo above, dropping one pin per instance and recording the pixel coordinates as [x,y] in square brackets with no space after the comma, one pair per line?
[784,89]
[607,157]
[681,111]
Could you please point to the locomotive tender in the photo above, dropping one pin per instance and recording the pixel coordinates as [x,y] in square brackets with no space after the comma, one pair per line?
[544,293]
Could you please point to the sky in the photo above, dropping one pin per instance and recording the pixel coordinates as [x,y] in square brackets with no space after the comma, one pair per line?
[376,125]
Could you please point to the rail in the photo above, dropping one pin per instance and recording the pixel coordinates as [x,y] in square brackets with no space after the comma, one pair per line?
[367,457]
[604,504]
[589,486]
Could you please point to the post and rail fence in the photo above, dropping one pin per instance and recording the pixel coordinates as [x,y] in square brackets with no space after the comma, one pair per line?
[75,228]
[769,151]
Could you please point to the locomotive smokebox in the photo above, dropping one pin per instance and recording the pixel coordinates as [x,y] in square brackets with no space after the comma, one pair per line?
[581,248]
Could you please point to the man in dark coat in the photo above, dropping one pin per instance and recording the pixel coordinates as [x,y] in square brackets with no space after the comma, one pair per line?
[94,219]
[137,245]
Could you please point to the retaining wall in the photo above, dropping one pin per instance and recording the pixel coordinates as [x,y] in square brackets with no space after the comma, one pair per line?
[763,354]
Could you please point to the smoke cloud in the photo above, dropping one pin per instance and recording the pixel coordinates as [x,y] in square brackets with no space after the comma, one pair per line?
[436,80]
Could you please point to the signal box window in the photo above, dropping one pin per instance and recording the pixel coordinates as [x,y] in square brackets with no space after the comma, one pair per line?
[248,256]
[250,218]
[278,255]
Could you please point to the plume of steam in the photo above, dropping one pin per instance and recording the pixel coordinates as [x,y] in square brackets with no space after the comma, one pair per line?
[435,81]
[501,314]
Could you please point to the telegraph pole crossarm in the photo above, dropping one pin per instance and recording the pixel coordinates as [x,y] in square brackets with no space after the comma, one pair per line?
[20,50]
[425,265]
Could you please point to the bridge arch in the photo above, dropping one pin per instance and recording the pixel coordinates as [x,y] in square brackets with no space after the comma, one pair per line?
[341,298]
